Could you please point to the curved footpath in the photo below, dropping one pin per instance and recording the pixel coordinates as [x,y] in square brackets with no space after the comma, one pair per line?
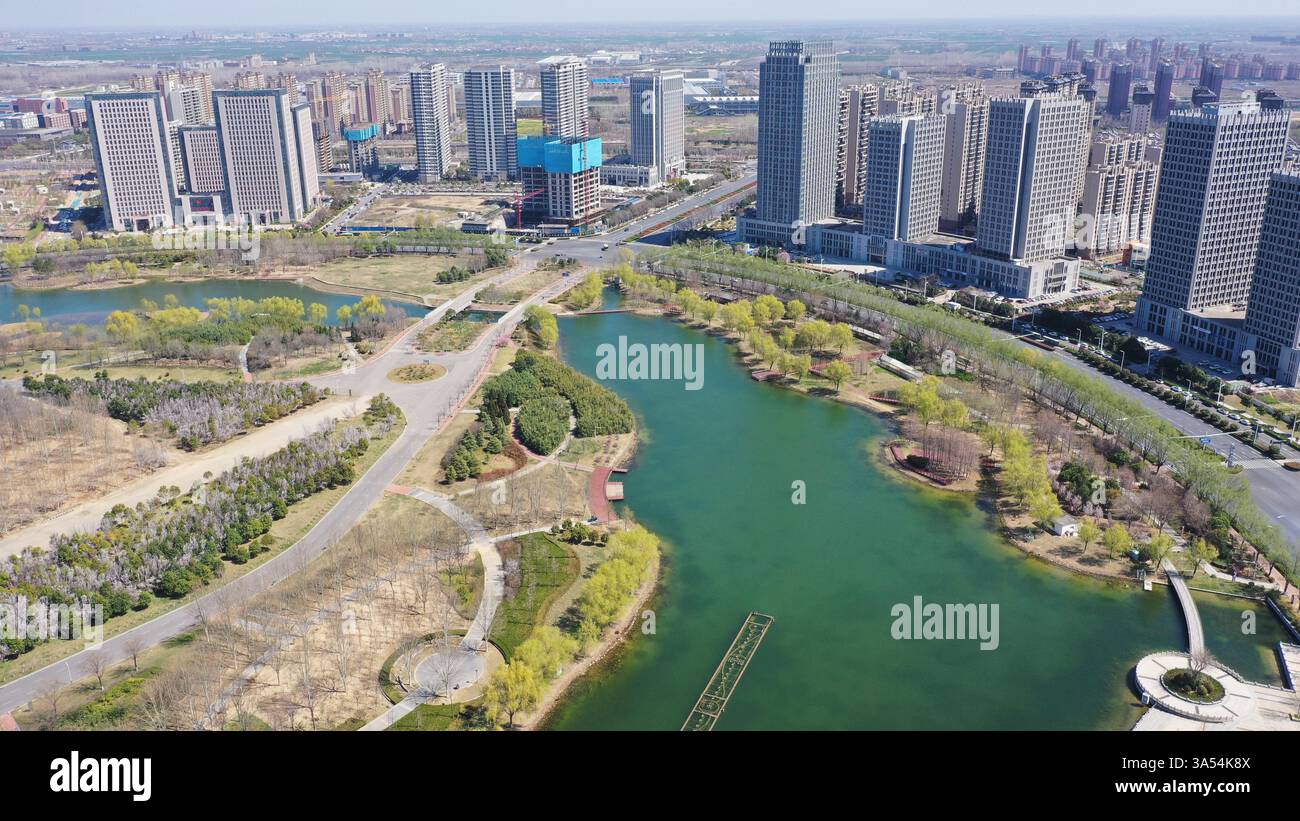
[427,406]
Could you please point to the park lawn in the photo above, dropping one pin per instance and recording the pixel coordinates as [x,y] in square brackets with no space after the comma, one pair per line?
[520,288]
[528,128]
[548,568]
[434,717]
[451,335]
[184,373]
[401,274]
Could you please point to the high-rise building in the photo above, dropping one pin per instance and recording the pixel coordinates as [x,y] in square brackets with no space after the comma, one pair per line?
[1140,112]
[1209,209]
[363,148]
[1121,83]
[1164,91]
[1212,74]
[904,176]
[963,160]
[658,121]
[1119,193]
[250,80]
[1031,175]
[859,104]
[1272,326]
[798,100]
[1154,53]
[338,106]
[490,122]
[565,84]
[567,169]
[133,155]
[288,82]
[1099,48]
[378,98]
[268,156]
[201,155]
[432,127]
[1072,51]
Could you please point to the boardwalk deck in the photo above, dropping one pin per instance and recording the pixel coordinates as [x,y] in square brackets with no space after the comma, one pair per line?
[1195,633]
[713,701]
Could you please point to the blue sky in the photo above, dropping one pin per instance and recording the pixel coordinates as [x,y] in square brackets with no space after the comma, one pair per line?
[313,14]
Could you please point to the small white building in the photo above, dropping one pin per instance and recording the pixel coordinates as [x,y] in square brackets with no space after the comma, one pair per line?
[1065,525]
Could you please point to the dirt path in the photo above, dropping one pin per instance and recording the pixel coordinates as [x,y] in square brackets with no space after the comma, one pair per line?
[189,469]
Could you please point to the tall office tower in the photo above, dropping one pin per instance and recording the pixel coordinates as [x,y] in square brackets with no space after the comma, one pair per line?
[1209,208]
[963,161]
[1153,55]
[1202,96]
[268,156]
[1072,49]
[1099,48]
[378,98]
[1272,326]
[860,106]
[1163,102]
[134,158]
[432,129]
[1121,82]
[289,83]
[1119,194]
[490,122]
[1031,175]
[841,145]
[338,109]
[904,177]
[657,108]
[1212,77]
[250,80]
[564,97]
[201,154]
[1140,112]
[798,99]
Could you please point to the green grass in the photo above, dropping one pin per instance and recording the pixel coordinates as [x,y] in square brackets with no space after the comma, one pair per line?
[110,708]
[432,717]
[528,128]
[547,569]
[451,335]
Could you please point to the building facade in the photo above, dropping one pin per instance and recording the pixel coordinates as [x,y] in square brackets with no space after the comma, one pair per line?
[133,156]
[490,122]
[658,121]
[963,161]
[268,156]
[201,154]
[432,123]
[1214,178]
[904,177]
[798,107]
[1119,194]
[1272,325]
[565,83]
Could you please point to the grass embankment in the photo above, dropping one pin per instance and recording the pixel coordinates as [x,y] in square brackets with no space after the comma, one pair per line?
[547,569]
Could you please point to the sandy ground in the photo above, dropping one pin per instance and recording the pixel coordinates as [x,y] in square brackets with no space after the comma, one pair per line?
[189,469]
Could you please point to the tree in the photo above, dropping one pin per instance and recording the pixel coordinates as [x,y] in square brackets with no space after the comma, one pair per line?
[837,372]
[1202,551]
[794,310]
[120,325]
[318,313]
[1117,540]
[1044,509]
[513,688]
[96,664]
[1089,532]
[1159,546]
[344,314]
[841,335]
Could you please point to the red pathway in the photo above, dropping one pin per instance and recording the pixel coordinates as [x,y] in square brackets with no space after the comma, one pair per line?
[600,506]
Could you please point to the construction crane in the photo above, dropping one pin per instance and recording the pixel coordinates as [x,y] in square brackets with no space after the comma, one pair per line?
[519,205]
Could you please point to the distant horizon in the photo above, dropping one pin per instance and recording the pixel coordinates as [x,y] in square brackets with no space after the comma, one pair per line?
[562,14]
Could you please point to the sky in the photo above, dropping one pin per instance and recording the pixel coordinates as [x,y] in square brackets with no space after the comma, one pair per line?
[306,15]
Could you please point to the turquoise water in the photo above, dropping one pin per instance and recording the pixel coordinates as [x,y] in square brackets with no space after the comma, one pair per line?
[69,305]
[713,477]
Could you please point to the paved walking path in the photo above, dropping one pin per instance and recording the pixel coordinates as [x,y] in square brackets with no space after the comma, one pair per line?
[461,667]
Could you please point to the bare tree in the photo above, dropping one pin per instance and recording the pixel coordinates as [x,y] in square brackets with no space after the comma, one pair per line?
[96,664]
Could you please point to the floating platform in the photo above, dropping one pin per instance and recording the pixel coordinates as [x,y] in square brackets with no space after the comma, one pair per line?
[709,706]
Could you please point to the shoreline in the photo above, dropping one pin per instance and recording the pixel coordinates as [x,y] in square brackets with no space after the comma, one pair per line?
[559,690]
